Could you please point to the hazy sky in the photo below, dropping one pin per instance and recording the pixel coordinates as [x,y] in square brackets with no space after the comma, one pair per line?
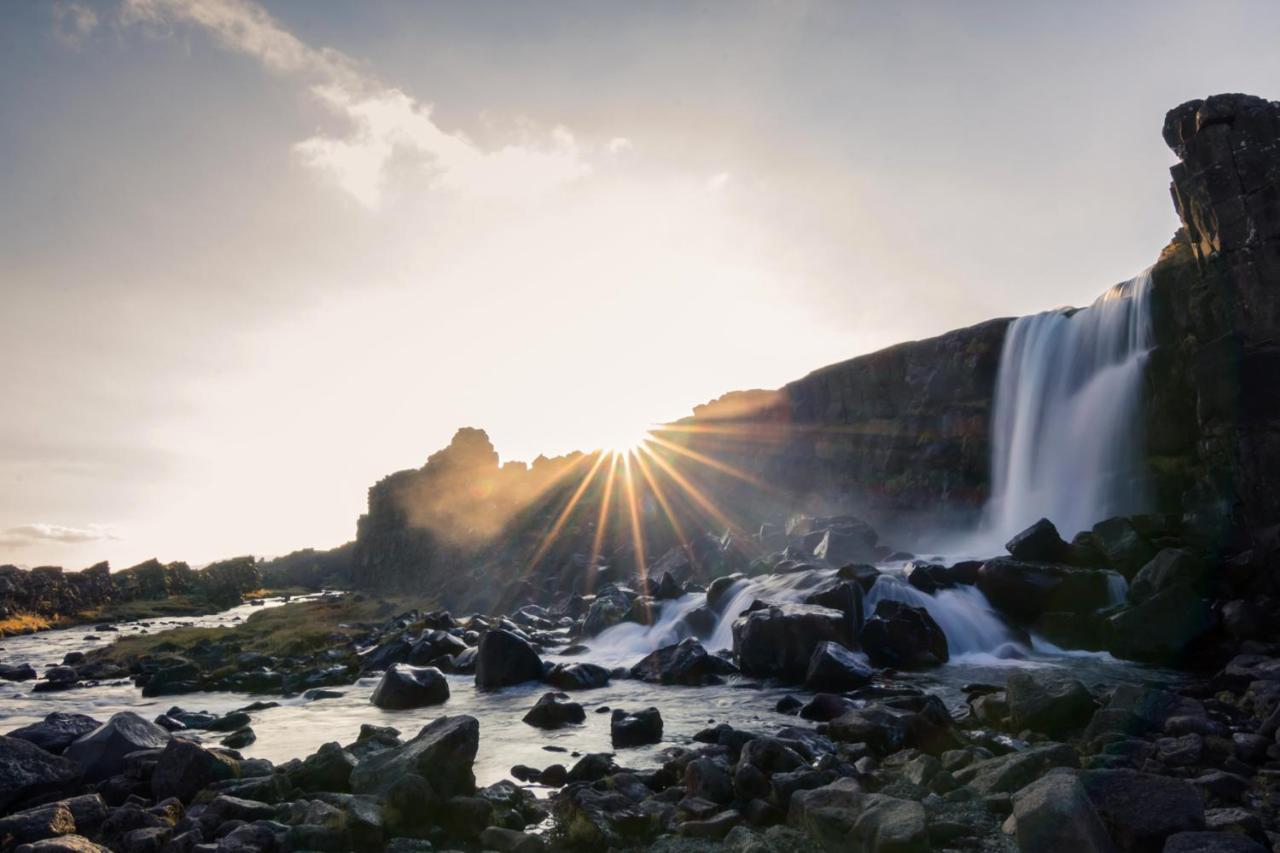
[254,257]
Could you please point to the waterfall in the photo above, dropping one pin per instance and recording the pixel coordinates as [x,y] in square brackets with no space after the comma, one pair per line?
[1067,441]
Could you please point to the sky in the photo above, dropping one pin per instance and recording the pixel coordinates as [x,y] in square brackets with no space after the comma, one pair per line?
[255,256]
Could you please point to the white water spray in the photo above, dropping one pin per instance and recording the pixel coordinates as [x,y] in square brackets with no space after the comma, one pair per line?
[1066,432]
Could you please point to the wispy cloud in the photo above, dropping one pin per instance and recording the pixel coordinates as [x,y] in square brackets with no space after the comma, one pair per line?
[73,22]
[382,124]
[35,534]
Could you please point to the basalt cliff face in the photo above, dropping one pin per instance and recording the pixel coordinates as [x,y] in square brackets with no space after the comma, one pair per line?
[1213,385]
[902,436]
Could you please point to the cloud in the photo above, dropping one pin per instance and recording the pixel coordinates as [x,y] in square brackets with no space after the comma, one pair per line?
[35,534]
[73,22]
[382,124]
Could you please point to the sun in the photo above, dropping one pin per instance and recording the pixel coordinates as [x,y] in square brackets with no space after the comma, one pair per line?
[625,442]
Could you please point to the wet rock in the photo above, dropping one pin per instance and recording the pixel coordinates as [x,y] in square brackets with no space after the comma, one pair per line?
[687,662]
[328,769]
[553,711]
[1244,620]
[904,637]
[56,731]
[56,679]
[928,577]
[592,767]
[1054,813]
[405,686]
[504,659]
[1141,810]
[1048,701]
[37,823]
[826,706]
[1121,545]
[433,645]
[28,771]
[668,588]
[1167,569]
[843,595]
[184,769]
[442,754]
[1039,543]
[840,817]
[227,722]
[240,738]
[779,640]
[835,668]
[1024,591]
[577,676]
[102,752]
[610,608]
[636,728]
[720,590]
[17,672]
[1161,628]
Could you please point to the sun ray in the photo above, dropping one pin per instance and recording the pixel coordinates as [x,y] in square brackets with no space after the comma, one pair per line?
[695,494]
[661,497]
[711,462]
[602,522]
[637,534]
[550,537]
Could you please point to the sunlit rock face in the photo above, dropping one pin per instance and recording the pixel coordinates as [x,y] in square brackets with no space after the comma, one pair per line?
[900,437]
[1213,411]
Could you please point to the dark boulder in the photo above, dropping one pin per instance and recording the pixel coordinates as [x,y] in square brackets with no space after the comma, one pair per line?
[404,686]
[928,577]
[57,730]
[834,668]
[668,588]
[17,672]
[721,590]
[28,771]
[1141,810]
[37,824]
[779,640]
[1049,702]
[327,769]
[553,711]
[184,769]
[636,728]
[1162,628]
[842,595]
[687,662]
[1053,813]
[1039,543]
[920,722]
[441,756]
[1121,545]
[577,676]
[904,637]
[56,679]
[1026,590]
[611,607]
[102,751]
[1167,569]
[504,659]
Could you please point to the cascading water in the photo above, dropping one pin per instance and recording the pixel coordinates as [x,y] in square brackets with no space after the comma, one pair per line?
[963,613]
[1066,433]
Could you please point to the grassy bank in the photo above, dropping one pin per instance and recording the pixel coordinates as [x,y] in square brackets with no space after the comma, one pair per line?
[27,623]
[290,629]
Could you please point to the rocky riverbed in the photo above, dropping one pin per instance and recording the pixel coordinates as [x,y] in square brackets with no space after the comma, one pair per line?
[910,705]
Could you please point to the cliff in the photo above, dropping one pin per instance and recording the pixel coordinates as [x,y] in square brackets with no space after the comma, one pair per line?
[1213,385]
[900,437]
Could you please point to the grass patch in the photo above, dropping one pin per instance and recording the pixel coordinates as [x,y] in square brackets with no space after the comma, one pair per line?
[27,623]
[297,628]
[128,611]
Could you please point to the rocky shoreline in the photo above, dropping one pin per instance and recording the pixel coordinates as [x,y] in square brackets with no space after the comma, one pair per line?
[860,758]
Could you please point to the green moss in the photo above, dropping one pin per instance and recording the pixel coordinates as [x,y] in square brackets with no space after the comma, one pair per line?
[290,629]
